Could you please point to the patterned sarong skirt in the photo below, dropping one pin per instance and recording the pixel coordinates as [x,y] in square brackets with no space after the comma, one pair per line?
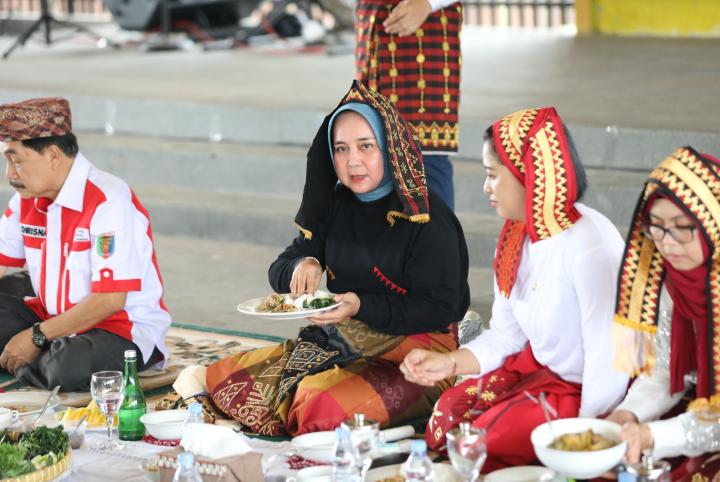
[323,377]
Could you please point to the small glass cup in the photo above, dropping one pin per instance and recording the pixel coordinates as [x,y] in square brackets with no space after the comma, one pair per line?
[364,434]
[467,451]
[107,390]
[150,469]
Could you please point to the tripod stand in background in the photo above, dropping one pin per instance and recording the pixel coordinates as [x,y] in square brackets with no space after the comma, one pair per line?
[45,22]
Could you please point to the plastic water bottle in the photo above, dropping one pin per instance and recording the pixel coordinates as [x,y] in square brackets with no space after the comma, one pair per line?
[194,415]
[344,467]
[418,467]
[186,471]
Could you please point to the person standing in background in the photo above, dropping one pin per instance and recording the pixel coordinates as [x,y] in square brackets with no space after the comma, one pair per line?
[409,51]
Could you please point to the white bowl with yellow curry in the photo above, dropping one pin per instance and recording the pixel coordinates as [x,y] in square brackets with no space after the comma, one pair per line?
[579,448]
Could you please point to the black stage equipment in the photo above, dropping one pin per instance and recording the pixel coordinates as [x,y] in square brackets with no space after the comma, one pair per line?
[46,21]
[146,15]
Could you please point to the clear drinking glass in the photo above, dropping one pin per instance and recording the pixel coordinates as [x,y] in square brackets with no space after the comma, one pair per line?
[467,451]
[107,390]
[364,434]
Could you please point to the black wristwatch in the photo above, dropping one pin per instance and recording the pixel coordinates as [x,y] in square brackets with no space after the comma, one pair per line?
[38,337]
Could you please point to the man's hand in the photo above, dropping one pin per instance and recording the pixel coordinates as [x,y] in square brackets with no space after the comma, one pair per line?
[407,17]
[349,308]
[306,277]
[638,438]
[425,367]
[19,351]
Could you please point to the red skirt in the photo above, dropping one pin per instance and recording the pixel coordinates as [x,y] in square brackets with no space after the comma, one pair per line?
[497,402]
[704,468]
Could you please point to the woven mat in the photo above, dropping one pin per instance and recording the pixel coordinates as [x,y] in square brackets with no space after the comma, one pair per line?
[188,345]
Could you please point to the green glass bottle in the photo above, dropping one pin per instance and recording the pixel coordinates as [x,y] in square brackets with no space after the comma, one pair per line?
[133,405]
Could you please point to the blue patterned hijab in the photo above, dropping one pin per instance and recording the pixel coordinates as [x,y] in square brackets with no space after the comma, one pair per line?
[376,123]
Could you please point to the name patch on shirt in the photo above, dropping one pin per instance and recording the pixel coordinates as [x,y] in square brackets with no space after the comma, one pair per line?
[33,231]
[81,234]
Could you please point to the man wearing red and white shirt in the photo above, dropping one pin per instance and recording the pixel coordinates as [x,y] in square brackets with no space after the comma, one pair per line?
[88,246]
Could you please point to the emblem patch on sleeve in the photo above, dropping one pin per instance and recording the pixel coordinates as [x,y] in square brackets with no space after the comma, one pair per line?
[105,245]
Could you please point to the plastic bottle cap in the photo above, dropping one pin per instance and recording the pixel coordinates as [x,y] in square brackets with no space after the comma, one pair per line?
[418,446]
[186,460]
[195,408]
[130,354]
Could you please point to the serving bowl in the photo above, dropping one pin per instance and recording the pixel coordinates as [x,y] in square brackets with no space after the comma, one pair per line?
[164,424]
[578,465]
[320,473]
[320,446]
[317,446]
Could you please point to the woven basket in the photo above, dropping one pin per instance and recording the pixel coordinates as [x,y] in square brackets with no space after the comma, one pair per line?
[51,472]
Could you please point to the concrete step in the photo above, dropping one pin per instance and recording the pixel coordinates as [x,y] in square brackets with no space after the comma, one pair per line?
[603,147]
[621,114]
[613,192]
[263,220]
[279,171]
[273,170]
[268,221]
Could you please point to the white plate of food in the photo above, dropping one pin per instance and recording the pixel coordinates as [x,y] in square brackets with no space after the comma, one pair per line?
[28,403]
[94,418]
[391,473]
[284,307]
[523,473]
[317,446]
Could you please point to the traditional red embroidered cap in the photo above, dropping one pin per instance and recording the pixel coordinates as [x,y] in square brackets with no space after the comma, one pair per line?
[35,118]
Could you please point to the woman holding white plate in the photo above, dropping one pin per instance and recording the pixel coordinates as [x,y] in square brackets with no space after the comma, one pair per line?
[396,256]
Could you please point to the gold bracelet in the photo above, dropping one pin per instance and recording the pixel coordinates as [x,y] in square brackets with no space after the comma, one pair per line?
[454,368]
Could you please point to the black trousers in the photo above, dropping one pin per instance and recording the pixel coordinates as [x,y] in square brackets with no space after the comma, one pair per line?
[68,361]
[17,284]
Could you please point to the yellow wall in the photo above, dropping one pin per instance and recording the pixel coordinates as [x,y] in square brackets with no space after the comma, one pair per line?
[685,18]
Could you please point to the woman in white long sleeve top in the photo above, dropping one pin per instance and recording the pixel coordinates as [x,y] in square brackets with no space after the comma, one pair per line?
[555,273]
[672,251]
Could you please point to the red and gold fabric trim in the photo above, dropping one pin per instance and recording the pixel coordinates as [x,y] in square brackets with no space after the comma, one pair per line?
[693,182]
[404,155]
[532,143]
[419,73]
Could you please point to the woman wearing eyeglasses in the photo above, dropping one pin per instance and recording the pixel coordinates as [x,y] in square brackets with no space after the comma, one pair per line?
[672,256]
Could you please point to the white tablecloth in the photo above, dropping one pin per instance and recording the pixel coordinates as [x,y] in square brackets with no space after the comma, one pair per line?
[90,465]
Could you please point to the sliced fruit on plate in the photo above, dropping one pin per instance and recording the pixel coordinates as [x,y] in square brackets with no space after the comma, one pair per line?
[95,417]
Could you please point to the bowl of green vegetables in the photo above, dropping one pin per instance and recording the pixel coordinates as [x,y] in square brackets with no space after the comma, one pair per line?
[42,454]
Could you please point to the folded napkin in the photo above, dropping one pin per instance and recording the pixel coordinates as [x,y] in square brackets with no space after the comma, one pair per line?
[191,381]
[213,441]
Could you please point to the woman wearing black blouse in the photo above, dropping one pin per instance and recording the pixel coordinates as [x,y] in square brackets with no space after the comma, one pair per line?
[393,253]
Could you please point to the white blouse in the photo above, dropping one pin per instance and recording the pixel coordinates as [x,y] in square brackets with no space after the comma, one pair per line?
[649,397]
[562,303]
[438,4]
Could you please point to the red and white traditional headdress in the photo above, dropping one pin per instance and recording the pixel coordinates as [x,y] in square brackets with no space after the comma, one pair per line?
[533,144]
